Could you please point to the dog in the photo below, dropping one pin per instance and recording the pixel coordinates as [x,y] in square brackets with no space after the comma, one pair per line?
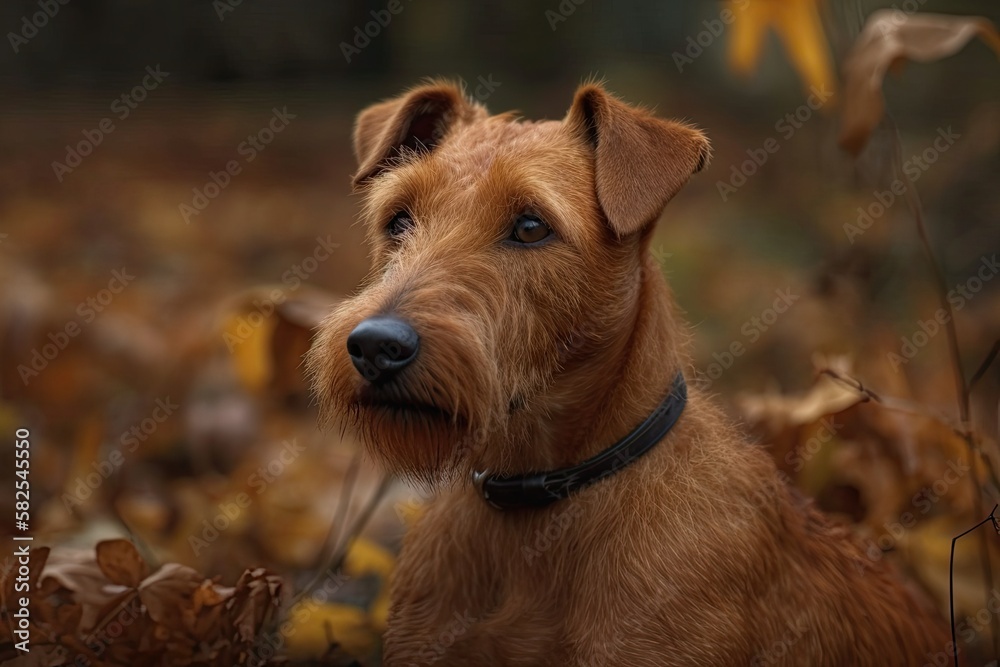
[517,348]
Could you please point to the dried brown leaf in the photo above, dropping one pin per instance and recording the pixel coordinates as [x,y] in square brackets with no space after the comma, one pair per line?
[256,599]
[209,595]
[124,602]
[780,412]
[121,563]
[77,572]
[889,38]
[167,593]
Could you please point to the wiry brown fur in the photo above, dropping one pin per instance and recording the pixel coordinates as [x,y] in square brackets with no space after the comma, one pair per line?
[533,358]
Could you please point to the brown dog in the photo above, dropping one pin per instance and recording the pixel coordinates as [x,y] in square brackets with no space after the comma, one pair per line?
[515,324]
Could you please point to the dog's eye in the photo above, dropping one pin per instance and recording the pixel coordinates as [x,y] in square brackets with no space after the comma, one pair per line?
[400,223]
[529,229]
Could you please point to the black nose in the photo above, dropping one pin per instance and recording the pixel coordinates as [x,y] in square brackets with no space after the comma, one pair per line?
[381,346]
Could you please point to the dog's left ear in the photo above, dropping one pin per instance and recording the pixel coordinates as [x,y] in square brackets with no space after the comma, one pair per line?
[640,161]
[416,121]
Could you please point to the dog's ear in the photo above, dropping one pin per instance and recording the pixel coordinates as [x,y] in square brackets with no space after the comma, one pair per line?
[417,120]
[640,161]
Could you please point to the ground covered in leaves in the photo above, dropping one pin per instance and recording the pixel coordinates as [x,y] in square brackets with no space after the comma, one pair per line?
[184,507]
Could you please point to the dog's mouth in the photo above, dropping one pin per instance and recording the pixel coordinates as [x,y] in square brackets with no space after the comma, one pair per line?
[396,405]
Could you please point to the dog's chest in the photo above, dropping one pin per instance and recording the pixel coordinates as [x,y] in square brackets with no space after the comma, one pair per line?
[465,597]
[573,589]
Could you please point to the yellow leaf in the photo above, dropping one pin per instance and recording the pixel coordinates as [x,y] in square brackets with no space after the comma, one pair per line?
[366,557]
[315,625]
[747,34]
[798,25]
[248,335]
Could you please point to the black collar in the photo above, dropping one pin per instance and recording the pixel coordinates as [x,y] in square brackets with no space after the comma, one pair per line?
[540,489]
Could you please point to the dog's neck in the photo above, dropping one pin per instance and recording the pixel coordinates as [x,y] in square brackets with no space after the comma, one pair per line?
[632,378]
[602,400]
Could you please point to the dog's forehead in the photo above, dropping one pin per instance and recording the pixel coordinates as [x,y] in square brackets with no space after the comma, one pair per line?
[471,150]
[500,160]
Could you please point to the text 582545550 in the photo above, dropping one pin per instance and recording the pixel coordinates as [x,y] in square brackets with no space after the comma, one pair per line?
[22,551]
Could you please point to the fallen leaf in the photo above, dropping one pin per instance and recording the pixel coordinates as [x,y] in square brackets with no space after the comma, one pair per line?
[255,601]
[175,616]
[889,38]
[317,625]
[167,591]
[121,563]
[209,595]
[367,557]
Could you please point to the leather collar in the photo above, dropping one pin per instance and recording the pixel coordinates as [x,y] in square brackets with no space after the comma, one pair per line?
[536,490]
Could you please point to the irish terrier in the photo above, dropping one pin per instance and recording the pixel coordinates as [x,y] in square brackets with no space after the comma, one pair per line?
[517,347]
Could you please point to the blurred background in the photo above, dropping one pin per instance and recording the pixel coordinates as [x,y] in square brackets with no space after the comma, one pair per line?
[176,215]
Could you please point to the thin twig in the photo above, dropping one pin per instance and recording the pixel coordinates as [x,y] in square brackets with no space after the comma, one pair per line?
[890,402]
[913,201]
[964,407]
[335,561]
[911,408]
[951,577]
[985,366]
[854,383]
[343,504]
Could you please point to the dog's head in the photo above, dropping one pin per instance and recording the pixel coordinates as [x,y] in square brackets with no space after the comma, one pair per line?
[507,256]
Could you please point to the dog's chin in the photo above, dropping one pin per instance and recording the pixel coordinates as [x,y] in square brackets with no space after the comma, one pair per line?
[417,440]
